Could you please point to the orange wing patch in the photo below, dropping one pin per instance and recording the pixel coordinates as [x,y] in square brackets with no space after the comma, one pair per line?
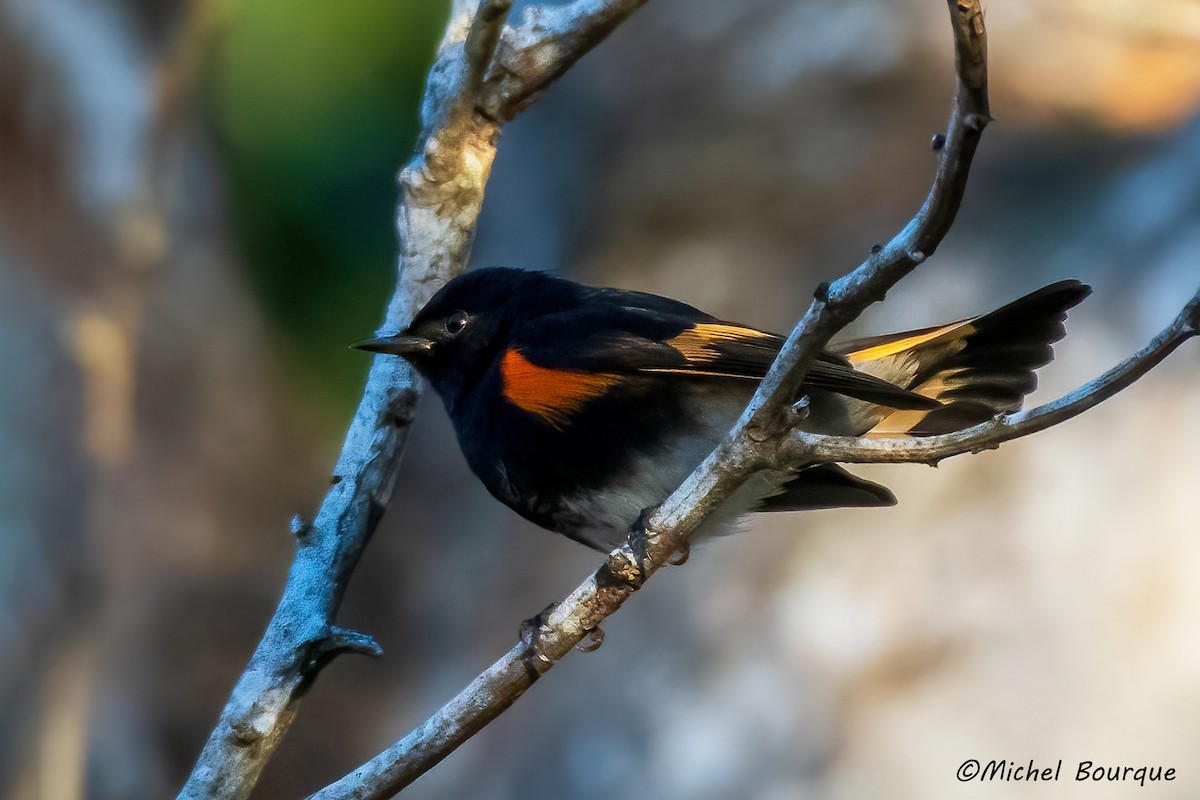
[552,394]
[698,344]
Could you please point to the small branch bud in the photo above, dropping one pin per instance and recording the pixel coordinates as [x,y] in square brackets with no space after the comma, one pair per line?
[801,408]
[592,641]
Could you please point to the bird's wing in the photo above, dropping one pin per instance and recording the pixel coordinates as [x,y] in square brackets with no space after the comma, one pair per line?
[920,382]
[646,334]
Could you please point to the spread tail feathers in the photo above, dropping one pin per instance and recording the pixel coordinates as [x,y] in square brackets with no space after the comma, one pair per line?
[977,367]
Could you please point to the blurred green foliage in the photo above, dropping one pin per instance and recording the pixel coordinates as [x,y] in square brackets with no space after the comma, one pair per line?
[315,106]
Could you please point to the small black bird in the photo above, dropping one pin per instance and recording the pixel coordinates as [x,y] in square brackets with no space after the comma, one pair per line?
[579,407]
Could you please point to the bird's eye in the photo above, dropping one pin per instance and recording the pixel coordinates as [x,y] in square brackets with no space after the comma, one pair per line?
[456,322]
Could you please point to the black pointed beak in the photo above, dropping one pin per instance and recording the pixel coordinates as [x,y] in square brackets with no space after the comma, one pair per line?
[400,344]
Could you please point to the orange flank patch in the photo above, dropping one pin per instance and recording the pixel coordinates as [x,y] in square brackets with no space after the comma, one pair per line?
[698,344]
[552,394]
[902,343]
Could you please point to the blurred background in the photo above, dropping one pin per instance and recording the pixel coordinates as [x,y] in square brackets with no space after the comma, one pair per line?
[196,203]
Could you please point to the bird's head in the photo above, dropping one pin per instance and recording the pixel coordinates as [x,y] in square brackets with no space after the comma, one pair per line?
[460,331]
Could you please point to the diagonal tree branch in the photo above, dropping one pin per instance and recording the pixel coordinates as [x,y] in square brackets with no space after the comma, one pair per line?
[802,447]
[768,418]
[441,190]
[663,534]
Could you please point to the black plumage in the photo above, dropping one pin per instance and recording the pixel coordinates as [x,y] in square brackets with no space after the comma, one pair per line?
[579,407]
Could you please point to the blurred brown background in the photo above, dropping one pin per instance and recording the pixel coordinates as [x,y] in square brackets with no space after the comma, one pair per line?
[195,218]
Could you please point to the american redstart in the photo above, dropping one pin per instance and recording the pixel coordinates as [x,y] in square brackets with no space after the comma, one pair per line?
[579,407]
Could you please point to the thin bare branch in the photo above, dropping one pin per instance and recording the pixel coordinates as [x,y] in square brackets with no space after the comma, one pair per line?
[804,447]
[768,419]
[662,536]
[454,723]
[549,40]
[441,193]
